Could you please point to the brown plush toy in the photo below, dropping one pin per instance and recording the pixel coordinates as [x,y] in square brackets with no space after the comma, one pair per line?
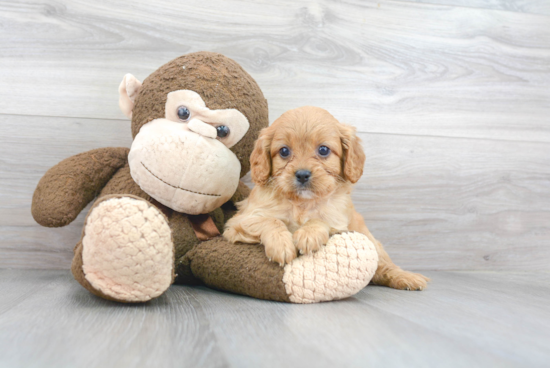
[162,204]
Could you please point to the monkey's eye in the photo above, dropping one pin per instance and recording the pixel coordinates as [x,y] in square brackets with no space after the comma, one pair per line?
[324,151]
[284,152]
[183,113]
[223,131]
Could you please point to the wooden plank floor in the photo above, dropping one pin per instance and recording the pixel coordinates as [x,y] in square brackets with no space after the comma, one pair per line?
[464,319]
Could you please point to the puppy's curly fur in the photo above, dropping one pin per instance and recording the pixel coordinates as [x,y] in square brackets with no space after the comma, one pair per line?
[304,166]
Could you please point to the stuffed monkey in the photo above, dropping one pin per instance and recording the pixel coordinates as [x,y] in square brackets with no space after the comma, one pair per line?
[162,204]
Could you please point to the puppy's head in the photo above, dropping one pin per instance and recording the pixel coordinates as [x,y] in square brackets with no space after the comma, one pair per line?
[307,153]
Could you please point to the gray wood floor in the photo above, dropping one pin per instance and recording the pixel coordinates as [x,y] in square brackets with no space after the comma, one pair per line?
[464,319]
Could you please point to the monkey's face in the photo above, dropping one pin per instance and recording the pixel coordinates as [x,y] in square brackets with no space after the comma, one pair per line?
[194,122]
[183,160]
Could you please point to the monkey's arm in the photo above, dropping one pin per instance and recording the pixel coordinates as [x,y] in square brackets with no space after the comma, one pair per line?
[70,185]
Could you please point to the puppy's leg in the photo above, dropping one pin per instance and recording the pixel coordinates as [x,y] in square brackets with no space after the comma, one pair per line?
[271,232]
[236,232]
[310,237]
[387,273]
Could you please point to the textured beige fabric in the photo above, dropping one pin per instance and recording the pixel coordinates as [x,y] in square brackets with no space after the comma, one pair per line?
[127,91]
[128,252]
[338,270]
[183,170]
[201,128]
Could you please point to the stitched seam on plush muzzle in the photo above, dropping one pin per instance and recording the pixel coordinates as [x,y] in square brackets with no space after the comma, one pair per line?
[173,186]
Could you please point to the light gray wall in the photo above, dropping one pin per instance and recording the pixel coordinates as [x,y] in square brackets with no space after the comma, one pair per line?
[452,102]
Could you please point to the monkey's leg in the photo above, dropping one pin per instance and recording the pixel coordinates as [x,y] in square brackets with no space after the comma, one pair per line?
[338,270]
[126,252]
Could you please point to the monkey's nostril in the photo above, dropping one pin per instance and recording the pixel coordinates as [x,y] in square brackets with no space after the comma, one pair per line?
[303,176]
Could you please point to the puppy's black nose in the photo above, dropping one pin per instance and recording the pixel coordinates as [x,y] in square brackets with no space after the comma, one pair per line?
[303,175]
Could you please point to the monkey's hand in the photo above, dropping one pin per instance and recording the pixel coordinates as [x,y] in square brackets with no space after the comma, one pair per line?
[69,186]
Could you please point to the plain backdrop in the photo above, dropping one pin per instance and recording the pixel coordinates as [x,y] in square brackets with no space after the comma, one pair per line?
[451,100]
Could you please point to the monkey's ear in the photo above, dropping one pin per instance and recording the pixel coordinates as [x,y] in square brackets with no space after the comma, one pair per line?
[354,157]
[128,91]
[260,159]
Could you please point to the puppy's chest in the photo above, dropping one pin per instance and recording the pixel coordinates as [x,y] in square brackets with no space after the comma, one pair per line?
[300,216]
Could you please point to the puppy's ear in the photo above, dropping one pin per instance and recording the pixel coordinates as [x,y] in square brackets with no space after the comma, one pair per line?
[260,159]
[354,157]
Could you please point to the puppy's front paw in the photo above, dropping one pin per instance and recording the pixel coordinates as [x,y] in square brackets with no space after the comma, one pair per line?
[279,246]
[309,239]
[230,234]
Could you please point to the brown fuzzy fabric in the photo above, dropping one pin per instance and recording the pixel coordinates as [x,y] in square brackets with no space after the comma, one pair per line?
[185,240]
[242,192]
[122,182]
[238,268]
[229,208]
[221,82]
[70,185]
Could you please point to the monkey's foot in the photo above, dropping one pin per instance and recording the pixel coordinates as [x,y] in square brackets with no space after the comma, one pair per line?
[338,270]
[127,252]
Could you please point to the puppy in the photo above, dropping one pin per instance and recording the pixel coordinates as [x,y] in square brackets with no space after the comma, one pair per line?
[304,166]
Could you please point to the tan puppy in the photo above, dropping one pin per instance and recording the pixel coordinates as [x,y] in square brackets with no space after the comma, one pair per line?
[304,166]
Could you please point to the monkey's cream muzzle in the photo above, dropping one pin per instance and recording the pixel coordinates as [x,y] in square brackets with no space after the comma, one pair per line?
[183,166]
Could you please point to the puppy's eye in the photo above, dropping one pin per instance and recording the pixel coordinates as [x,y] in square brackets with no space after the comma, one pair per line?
[284,152]
[183,113]
[324,151]
[223,131]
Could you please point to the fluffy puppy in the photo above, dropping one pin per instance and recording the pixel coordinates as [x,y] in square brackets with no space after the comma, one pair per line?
[304,166]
